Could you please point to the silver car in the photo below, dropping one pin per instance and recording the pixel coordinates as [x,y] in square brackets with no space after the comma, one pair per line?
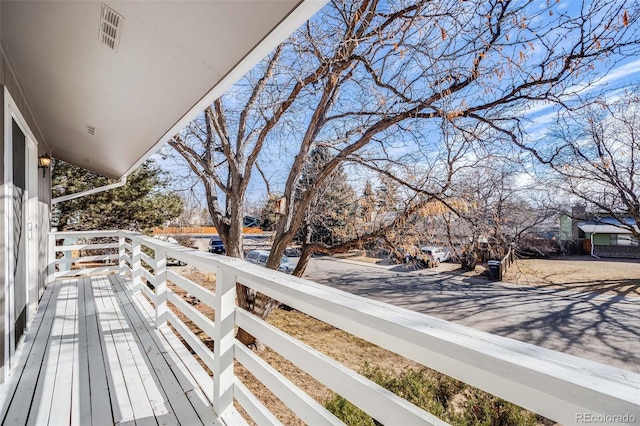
[260,257]
[439,254]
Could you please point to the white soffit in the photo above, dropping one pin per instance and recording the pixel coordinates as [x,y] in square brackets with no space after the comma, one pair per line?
[108,88]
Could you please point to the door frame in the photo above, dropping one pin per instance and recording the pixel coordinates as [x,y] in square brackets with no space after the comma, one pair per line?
[12,113]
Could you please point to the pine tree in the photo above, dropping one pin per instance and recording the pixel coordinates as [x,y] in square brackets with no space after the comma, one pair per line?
[388,198]
[367,202]
[142,203]
[329,219]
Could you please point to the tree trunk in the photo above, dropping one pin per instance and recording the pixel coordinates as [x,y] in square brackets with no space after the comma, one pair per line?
[233,246]
[247,298]
[256,303]
[303,261]
[278,248]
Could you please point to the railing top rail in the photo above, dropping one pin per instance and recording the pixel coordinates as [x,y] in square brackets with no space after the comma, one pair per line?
[85,234]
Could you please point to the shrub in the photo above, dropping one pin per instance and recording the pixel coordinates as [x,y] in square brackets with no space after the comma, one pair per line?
[447,398]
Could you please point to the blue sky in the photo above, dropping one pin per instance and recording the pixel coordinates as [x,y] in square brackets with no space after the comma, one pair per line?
[540,116]
[612,82]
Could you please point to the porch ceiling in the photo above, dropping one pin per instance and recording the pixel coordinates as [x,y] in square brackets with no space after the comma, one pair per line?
[173,58]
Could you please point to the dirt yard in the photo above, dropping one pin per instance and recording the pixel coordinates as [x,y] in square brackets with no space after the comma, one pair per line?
[579,273]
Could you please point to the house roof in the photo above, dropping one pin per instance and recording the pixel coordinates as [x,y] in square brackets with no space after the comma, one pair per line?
[168,61]
[607,225]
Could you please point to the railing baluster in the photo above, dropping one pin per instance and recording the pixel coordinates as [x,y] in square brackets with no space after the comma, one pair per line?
[122,265]
[136,264]
[65,267]
[51,267]
[223,354]
[161,287]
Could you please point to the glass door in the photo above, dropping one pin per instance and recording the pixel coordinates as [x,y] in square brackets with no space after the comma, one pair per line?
[19,255]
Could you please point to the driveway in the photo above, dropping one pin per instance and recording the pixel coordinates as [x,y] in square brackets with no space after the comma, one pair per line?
[602,328]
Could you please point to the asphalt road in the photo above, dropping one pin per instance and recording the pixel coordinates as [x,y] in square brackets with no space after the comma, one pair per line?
[598,327]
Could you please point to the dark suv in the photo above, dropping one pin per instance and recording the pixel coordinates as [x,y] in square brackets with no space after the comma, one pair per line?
[216,246]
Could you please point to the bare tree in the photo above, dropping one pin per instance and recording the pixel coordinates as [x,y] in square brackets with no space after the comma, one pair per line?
[496,205]
[594,155]
[378,81]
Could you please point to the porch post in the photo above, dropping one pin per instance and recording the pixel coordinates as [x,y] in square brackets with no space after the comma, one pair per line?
[223,352]
[136,265]
[161,287]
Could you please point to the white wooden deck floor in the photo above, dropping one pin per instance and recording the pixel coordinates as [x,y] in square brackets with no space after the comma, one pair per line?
[92,357]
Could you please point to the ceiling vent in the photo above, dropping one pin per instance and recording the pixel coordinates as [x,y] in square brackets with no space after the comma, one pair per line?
[111,23]
[91,130]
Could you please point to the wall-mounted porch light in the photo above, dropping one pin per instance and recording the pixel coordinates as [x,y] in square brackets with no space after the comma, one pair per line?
[44,162]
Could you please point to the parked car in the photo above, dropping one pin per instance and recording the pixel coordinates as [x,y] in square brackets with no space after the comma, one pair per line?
[439,254]
[216,246]
[260,257]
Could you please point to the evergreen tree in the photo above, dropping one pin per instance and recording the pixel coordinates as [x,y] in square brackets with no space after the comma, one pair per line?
[330,216]
[142,203]
[388,197]
[368,202]
[268,217]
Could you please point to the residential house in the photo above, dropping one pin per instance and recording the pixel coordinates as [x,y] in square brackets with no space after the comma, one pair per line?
[608,237]
[599,234]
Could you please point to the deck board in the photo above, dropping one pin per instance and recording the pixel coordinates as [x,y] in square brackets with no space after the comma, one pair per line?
[189,374]
[109,325]
[147,397]
[81,409]
[122,359]
[29,363]
[172,395]
[60,412]
[41,405]
[94,408]
[93,357]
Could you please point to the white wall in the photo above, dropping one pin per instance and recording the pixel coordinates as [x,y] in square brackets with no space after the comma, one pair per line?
[40,199]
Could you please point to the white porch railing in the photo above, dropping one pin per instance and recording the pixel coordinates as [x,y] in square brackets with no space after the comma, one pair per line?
[555,385]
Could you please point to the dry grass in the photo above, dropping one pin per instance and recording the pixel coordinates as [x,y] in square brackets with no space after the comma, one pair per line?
[345,348]
[359,255]
[579,273]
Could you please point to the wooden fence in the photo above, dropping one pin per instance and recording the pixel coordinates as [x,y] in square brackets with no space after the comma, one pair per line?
[506,262]
[198,230]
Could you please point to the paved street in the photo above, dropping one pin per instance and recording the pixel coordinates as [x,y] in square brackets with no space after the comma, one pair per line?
[598,327]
